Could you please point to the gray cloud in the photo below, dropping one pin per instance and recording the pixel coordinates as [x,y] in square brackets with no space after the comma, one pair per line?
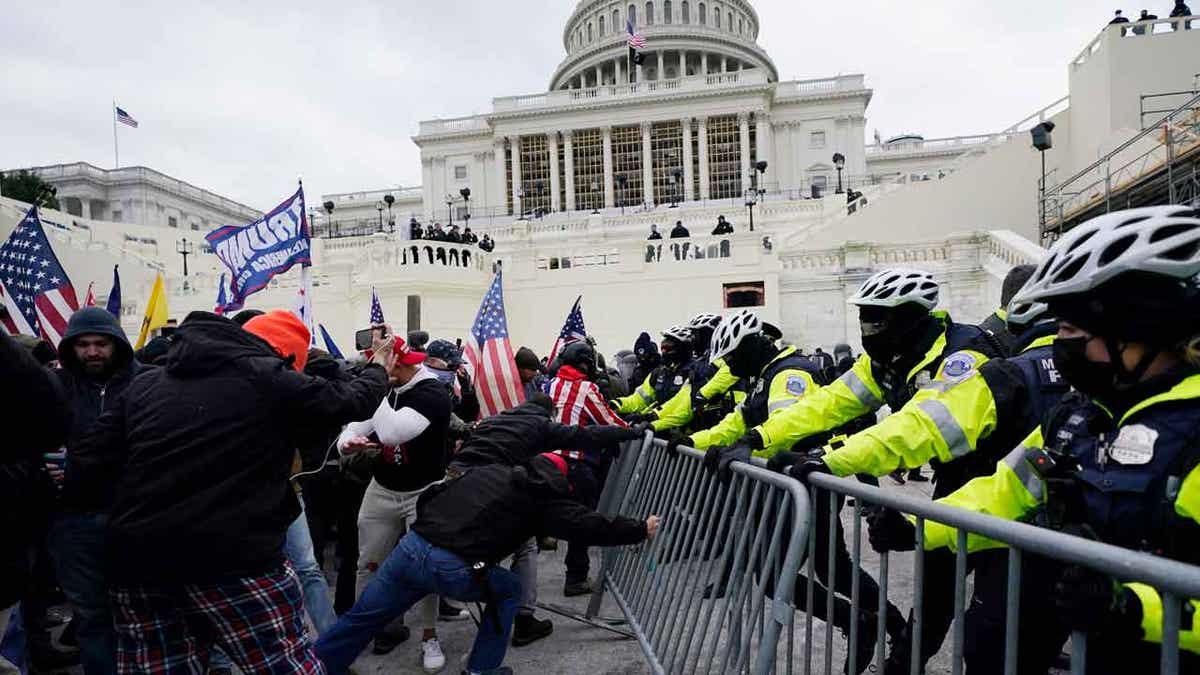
[244,97]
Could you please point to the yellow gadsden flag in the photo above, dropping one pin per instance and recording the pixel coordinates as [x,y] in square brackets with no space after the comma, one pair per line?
[156,312]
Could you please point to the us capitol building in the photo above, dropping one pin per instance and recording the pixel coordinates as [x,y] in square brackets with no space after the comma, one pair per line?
[569,181]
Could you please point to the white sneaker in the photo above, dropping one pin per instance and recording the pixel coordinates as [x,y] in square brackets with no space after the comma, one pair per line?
[432,658]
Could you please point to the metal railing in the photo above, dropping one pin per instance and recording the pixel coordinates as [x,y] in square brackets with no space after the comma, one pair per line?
[712,592]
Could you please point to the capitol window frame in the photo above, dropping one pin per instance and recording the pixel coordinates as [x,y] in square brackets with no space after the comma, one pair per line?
[724,157]
[816,139]
[632,14]
[702,15]
[730,24]
[627,161]
[616,20]
[667,11]
[686,16]
[716,16]
[589,32]
[460,172]
[600,25]
[649,19]
[172,221]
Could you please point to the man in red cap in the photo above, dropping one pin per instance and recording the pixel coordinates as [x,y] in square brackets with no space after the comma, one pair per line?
[193,462]
[407,436]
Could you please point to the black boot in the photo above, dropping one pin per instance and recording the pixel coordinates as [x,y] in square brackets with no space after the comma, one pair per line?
[528,629]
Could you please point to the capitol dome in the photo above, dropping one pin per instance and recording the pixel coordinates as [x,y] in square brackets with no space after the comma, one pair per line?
[683,37]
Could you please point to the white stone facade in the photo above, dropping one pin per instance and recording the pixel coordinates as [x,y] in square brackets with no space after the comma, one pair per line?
[141,196]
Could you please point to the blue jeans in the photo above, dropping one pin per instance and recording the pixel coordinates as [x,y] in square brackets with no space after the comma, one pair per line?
[414,569]
[77,547]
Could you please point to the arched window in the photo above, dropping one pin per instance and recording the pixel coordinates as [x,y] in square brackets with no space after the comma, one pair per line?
[703,15]
[632,14]
[730,24]
[687,17]
[649,13]
[741,26]
[616,20]
[589,32]
[666,11]
[716,17]
[601,25]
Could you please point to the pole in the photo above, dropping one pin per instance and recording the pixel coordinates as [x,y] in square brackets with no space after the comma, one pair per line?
[1042,190]
[116,154]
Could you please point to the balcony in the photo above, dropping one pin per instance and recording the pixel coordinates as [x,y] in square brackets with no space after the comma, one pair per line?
[618,92]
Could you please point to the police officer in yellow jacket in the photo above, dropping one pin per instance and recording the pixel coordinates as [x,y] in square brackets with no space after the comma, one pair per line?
[1125,290]
[708,395]
[665,380]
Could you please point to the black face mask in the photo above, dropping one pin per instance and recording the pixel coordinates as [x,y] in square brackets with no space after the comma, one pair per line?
[1089,377]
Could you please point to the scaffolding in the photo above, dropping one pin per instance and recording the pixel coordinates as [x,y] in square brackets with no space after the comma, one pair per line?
[627,162]
[535,174]
[724,158]
[666,156]
[589,169]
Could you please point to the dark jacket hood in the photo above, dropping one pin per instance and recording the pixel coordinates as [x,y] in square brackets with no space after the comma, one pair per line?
[544,479]
[206,341]
[93,321]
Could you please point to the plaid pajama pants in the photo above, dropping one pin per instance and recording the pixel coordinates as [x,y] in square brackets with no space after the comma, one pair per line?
[257,621]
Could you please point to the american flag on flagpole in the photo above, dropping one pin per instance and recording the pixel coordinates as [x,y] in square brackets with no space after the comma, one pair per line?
[572,330]
[635,41]
[33,284]
[89,300]
[303,307]
[497,383]
[376,310]
[124,118]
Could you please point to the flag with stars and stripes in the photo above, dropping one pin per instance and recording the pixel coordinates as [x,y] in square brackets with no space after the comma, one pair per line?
[572,330]
[376,310]
[33,285]
[497,383]
[303,310]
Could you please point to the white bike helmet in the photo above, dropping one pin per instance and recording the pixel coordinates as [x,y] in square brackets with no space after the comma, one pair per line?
[898,286]
[705,321]
[1159,240]
[1021,314]
[732,331]
[680,333]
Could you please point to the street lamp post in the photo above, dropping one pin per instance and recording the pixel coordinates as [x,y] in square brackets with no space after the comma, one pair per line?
[756,189]
[329,220]
[839,162]
[466,195]
[450,209]
[1042,143]
[389,200]
[379,208]
[185,248]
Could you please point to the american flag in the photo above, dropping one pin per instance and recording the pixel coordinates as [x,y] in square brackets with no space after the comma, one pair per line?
[89,300]
[376,310]
[635,41]
[303,309]
[572,330]
[33,284]
[497,383]
[124,118]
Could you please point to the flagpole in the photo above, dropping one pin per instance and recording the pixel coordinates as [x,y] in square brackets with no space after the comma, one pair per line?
[116,152]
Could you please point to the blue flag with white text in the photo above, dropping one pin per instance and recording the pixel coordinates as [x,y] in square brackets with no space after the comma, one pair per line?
[255,253]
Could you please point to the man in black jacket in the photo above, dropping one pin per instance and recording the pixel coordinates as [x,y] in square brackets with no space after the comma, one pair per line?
[98,365]
[194,459]
[465,527]
[35,416]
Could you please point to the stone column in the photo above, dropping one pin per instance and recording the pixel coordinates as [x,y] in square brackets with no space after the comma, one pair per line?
[569,168]
[495,196]
[682,64]
[430,197]
[796,131]
[762,144]
[599,76]
[641,73]
[647,166]
[703,63]
[609,196]
[518,205]
[662,68]
[555,184]
[688,193]
[702,138]
[619,75]
[744,145]
[724,64]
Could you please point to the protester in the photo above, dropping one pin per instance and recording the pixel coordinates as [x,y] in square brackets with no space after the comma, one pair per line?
[465,526]
[654,233]
[1145,16]
[407,434]
[97,368]
[486,244]
[194,459]
[531,371]
[454,236]
[647,357]
[723,226]
[1181,9]
[414,229]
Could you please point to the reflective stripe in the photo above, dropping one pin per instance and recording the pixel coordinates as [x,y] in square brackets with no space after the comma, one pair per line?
[1032,482]
[647,396]
[781,404]
[951,431]
[860,389]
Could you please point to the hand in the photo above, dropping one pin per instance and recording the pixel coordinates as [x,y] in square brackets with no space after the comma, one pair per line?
[356,444]
[780,462]
[641,427]
[721,458]
[652,524]
[676,440]
[887,530]
[383,354]
[55,463]
[808,467]
[1094,602]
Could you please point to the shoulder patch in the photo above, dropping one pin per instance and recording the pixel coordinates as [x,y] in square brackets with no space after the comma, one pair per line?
[958,366]
[796,386]
[678,380]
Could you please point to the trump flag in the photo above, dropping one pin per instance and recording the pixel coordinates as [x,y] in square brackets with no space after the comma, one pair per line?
[255,253]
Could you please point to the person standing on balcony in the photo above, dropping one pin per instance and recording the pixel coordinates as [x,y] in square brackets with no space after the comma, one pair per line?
[1146,16]
[680,232]
[654,233]
[1118,18]
[487,244]
[1181,9]
[723,227]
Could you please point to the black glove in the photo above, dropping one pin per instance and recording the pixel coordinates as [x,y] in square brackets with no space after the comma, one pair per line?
[721,458]
[1094,602]
[887,530]
[613,434]
[676,440]
[780,462]
[813,464]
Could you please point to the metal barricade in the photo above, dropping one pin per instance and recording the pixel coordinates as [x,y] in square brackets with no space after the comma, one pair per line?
[713,591]
[1176,582]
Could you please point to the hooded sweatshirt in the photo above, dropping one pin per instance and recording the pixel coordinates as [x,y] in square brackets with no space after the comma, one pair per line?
[199,455]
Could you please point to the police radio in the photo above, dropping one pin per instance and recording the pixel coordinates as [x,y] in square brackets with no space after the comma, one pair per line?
[1063,507]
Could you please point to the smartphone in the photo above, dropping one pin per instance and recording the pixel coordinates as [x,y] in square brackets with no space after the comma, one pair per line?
[364,338]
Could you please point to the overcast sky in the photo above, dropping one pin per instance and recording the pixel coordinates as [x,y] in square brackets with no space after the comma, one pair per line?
[243,97]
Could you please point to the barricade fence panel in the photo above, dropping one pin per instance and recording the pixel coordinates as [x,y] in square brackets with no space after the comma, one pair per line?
[737,565]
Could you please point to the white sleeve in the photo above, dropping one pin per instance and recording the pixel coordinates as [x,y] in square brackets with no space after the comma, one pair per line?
[398,426]
[363,428]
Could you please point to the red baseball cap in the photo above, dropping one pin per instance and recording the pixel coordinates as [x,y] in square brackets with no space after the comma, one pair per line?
[405,355]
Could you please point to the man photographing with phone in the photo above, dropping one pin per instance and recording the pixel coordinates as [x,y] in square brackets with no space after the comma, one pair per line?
[407,438]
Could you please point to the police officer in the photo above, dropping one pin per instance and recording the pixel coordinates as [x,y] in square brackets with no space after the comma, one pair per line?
[1125,290]
[996,324]
[712,391]
[977,419]
[663,382]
